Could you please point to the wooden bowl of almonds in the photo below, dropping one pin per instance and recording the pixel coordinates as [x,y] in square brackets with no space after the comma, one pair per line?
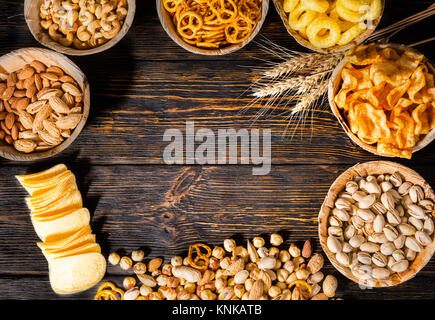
[79,27]
[376,224]
[215,39]
[44,103]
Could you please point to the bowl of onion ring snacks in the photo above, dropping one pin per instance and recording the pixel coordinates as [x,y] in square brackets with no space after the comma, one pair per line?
[212,27]
[330,25]
[383,95]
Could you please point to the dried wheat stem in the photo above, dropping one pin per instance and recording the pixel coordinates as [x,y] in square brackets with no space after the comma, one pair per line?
[311,97]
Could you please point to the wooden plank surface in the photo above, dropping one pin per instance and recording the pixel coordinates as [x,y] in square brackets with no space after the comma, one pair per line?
[163,209]
[147,84]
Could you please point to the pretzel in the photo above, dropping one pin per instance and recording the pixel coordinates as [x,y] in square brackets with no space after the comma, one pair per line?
[104,294]
[201,260]
[302,283]
[210,24]
[189,24]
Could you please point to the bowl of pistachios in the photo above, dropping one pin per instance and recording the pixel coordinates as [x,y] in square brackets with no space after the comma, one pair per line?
[376,224]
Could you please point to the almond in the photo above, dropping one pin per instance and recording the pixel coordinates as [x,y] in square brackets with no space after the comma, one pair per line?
[58,105]
[8,93]
[9,120]
[56,70]
[234,267]
[49,76]
[49,139]
[48,93]
[21,104]
[24,145]
[256,290]
[69,122]
[51,128]
[25,73]
[71,89]
[154,264]
[38,66]
[307,249]
[42,114]
[35,106]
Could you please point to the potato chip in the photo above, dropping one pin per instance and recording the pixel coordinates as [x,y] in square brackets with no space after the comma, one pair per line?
[39,187]
[48,197]
[62,227]
[47,174]
[81,241]
[421,117]
[85,248]
[387,96]
[65,241]
[70,200]
[76,273]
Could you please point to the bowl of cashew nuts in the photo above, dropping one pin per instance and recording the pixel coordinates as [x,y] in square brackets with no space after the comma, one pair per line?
[79,27]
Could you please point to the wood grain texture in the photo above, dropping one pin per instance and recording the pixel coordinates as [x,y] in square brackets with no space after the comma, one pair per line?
[163,209]
[147,84]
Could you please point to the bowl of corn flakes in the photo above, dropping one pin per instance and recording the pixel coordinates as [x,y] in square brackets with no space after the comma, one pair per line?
[383,95]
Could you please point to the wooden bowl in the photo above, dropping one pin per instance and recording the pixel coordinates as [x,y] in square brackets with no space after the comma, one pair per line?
[168,25]
[31,14]
[333,88]
[307,44]
[365,169]
[19,58]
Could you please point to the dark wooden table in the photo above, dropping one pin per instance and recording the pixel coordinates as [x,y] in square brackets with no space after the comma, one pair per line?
[147,84]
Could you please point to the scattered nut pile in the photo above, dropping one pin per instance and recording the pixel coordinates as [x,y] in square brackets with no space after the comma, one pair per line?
[230,272]
[39,107]
[379,225]
[83,24]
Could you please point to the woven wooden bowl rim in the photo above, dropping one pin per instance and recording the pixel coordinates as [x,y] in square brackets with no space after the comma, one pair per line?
[307,44]
[168,26]
[333,86]
[58,59]
[365,169]
[33,22]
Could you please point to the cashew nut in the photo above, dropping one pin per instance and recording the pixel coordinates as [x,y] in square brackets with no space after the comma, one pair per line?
[116,27]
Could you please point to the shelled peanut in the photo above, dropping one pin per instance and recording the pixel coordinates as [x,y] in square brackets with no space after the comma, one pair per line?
[232,272]
[39,107]
[83,24]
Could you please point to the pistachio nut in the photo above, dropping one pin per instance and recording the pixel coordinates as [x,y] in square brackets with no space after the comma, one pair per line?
[342,203]
[427,205]
[364,257]
[363,272]
[422,238]
[366,215]
[406,229]
[379,208]
[412,244]
[417,223]
[410,254]
[387,248]
[358,195]
[416,193]
[386,185]
[398,255]
[342,258]
[347,248]
[390,232]
[404,188]
[416,211]
[357,222]
[335,222]
[349,232]
[379,238]
[387,200]
[379,223]
[356,241]
[379,259]
[351,187]
[396,179]
[370,247]
[333,244]
[428,226]
[400,266]
[340,214]
[393,217]
[399,242]
[380,273]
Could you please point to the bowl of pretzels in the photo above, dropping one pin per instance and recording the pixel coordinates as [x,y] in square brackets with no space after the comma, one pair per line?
[212,27]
